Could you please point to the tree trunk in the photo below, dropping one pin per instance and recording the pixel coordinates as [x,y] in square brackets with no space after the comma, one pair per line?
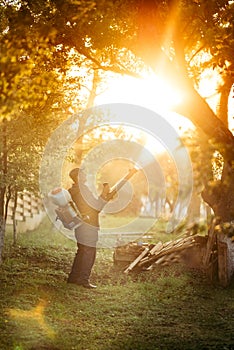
[2,235]
[3,174]
[13,218]
[83,121]
[225,89]
[2,221]
[220,196]
[194,107]
[7,200]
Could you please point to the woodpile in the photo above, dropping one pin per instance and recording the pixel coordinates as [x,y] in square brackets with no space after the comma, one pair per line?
[212,253]
[159,254]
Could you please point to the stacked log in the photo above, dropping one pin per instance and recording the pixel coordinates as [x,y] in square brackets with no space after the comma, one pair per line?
[213,253]
[161,253]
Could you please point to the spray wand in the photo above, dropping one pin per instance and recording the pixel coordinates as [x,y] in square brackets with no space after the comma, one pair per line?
[119,184]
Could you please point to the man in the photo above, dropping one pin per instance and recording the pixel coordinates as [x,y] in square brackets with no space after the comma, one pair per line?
[86,234]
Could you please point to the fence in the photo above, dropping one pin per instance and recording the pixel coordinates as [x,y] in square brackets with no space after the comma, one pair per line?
[29,212]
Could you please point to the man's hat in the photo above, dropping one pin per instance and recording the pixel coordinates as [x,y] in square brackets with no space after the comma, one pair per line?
[74,174]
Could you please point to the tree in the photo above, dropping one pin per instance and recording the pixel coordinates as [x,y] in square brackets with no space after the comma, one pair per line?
[183,19]
[30,93]
[166,36]
[21,149]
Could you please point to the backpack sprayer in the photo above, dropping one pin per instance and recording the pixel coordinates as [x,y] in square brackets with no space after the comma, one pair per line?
[67,211]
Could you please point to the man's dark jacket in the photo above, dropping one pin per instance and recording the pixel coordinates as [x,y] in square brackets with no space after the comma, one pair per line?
[90,207]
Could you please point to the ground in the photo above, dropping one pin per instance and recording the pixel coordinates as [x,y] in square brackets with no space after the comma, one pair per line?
[166,308]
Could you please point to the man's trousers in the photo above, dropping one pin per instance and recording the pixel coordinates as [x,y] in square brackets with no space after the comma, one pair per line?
[82,264]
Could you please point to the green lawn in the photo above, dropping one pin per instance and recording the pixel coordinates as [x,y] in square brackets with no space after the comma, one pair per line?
[167,308]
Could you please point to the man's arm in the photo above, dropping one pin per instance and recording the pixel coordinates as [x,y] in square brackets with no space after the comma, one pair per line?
[96,203]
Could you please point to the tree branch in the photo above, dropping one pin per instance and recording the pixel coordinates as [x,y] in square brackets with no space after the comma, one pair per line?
[200,49]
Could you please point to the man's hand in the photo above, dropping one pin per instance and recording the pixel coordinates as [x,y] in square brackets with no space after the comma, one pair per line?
[106,194]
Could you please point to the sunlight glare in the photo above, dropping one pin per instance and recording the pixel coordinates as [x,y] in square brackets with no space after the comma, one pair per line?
[36,315]
[149,92]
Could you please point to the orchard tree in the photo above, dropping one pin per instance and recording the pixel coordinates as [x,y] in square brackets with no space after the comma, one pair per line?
[171,37]
[30,99]
[38,91]
[168,36]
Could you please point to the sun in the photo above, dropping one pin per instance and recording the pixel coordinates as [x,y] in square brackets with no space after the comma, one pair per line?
[150,92]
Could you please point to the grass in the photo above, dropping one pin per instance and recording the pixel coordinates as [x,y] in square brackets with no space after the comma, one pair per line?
[166,308]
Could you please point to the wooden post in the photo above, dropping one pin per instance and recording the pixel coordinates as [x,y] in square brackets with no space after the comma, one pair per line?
[225,247]
[210,244]
[223,263]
